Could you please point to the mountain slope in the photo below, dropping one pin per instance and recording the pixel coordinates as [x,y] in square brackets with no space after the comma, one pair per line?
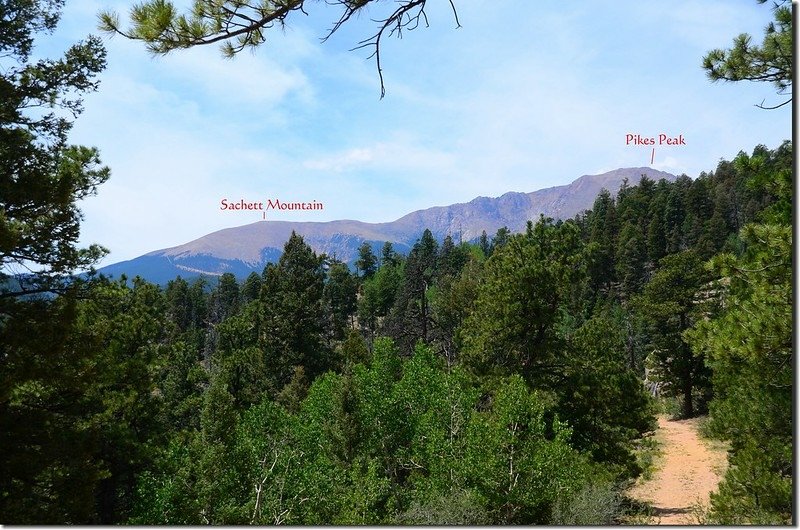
[248,248]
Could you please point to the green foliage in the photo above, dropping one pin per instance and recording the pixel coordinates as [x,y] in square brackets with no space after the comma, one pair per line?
[770,173]
[343,481]
[602,232]
[225,298]
[48,472]
[601,398]
[42,177]
[75,392]
[483,244]
[596,504]
[437,407]
[453,303]
[757,489]
[217,418]
[379,293]
[670,405]
[510,393]
[235,477]
[78,409]
[410,317]
[339,298]
[749,349]
[292,318]
[451,258]
[186,305]
[293,394]
[263,409]
[500,239]
[526,284]
[180,383]
[354,350]
[74,411]
[467,429]
[398,441]
[166,495]
[670,305]
[631,259]
[239,361]
[459,507]
[522,463]
[647,451]
[367,262]
[123,328]
[388,255]
[526,320]
[251,288]
[770,62]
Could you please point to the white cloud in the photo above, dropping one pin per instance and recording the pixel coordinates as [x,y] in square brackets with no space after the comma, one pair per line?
[401,155]
[247,80]
[340,162]
[671,164]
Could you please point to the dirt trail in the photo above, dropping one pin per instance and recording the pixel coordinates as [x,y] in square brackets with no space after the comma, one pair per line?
[687,472]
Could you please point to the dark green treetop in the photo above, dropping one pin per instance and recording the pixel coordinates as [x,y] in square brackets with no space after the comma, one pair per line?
[367,262]
[292,312]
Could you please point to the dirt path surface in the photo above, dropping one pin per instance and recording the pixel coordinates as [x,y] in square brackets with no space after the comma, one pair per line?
[687,471]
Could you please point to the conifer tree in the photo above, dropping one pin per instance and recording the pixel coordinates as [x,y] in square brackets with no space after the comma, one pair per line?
[674,216]
[58,425]
[749,348]
[483,243]
[388,255]
[527,286]
[500,239]
[771,62]
[631,259]
[251,288]
[656,241]
[42,177]
[292,313]
[603,231]
[670,305]
[225,298]
[340,298]
[451,258]
[178,303]
[367,262]
[379,293]
[409,320]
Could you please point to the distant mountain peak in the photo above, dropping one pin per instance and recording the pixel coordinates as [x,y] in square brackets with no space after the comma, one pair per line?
[244,249]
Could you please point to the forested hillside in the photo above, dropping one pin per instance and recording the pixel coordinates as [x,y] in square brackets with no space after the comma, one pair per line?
[493,383]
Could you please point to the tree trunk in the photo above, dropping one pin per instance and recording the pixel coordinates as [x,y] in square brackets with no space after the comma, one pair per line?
[688,408]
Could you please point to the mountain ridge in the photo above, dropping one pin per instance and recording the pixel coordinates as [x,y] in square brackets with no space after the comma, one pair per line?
[247,248]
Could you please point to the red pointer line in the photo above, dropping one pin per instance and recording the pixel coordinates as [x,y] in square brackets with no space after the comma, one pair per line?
[652,156]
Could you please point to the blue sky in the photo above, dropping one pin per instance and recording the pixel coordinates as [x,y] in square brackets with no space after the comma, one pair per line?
[525,95]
